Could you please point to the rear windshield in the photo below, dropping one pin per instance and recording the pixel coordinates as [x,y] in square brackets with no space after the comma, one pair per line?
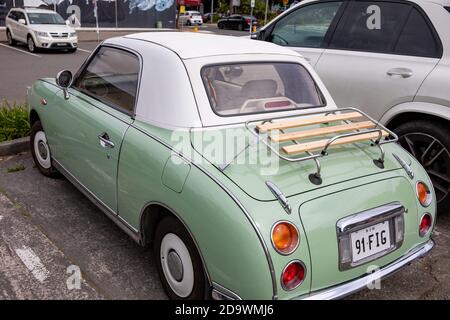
[45,18]
[237,89]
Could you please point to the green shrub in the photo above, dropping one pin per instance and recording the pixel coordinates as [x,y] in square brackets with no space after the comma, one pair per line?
[13,121]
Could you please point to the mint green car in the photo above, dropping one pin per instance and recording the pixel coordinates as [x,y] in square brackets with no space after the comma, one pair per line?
[235,164]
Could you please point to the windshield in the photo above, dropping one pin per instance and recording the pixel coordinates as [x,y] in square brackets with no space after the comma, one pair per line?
[237,89]
[45,18]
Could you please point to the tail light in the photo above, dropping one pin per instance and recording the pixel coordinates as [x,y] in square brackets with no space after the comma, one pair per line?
[423,194]
[293,275]
[285,238]
[190,17]
[425,224]
[248,21]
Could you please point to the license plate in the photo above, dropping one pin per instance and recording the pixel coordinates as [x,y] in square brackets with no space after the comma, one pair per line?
[369,241]
[61,44]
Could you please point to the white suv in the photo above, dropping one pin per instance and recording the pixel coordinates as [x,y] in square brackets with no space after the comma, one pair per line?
[388,58]
[40,29]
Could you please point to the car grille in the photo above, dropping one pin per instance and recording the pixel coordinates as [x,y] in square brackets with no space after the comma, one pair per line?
[59,35]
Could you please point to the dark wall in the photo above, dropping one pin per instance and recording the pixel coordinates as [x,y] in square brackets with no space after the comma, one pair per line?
[130,14]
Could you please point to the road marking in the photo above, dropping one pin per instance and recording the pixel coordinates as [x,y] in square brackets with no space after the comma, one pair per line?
[33,263]
[84,50]
[26,52]
[1,217]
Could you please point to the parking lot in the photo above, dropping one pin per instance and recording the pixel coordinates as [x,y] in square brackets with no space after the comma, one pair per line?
[49,230]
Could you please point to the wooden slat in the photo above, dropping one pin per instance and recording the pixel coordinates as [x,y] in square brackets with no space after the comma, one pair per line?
[277,137]
[320,144]
[307,121]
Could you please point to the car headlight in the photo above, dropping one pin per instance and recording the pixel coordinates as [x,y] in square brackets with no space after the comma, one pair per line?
[41,34]
[73,34]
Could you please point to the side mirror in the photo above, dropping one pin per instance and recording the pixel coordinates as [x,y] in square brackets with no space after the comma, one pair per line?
[22,21]
[68,23]
[64,80]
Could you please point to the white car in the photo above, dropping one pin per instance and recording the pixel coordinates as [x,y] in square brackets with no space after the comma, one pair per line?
[390,59]
[39,29]
[190,18]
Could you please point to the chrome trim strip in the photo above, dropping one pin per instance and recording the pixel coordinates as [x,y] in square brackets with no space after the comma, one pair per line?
[282,199]
[405,166]
[350,287]
[225,292]
[119,221]
[234,198]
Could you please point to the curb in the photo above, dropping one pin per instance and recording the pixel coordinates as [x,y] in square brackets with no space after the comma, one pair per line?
[14,146]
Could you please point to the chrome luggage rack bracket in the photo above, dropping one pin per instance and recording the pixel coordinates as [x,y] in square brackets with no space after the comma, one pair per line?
[373,131]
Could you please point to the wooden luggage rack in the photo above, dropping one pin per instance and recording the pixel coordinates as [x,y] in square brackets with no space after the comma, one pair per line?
[352,126]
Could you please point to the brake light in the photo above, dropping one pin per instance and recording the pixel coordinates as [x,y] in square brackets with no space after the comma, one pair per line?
[293,275]
[425,224]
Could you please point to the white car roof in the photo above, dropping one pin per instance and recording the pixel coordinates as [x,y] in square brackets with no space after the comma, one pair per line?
[37,10]
[188,45]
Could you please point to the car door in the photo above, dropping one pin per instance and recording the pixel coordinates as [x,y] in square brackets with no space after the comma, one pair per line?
[91,124]
[307,28]
[21,29]
[379,55]
[233,21]
[12,23]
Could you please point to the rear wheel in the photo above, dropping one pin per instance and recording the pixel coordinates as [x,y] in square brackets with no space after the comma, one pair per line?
[10,39]
[179,264]
[41,151]
[240,27]
[221,26]
[31,45]
[429,143]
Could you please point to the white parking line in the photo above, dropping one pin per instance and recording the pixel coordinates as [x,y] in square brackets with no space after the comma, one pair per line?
[84,50]
[33,263]
[1,217]
[26,52]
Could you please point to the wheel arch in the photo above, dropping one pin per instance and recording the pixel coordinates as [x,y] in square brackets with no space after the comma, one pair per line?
[416,111]
[152,213]
[33,117]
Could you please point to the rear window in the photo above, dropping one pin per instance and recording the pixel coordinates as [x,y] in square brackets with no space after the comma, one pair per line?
[448,9]
[237,89]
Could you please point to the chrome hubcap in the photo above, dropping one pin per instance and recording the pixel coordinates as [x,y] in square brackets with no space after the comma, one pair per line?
[175,265]
[42,150]
[30,44]
[434,157]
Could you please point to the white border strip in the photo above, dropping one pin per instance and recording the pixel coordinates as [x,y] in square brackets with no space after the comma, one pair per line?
[33,263]
[25,52]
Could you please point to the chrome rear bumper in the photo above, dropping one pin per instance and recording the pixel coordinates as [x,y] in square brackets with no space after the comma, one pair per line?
[353,286]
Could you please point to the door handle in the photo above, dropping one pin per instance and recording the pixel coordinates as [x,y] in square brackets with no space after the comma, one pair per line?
[104,141]
[402,72]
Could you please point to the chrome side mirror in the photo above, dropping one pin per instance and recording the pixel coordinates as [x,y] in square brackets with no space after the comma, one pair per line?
[64,80]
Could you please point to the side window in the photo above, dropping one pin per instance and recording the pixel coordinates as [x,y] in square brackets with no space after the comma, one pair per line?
[20,15]
[306,26]
[111,76]
[13,15]
[371,26]
[417,38]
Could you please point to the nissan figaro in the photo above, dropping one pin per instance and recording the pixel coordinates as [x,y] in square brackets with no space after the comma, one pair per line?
[236,165]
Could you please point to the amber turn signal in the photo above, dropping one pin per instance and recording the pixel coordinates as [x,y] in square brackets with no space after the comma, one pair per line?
[423,194]
[285,238]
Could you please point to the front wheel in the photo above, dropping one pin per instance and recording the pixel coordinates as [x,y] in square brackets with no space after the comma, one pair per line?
[179,264]
[31,45]
[429,143]
[41,152]
[11,41]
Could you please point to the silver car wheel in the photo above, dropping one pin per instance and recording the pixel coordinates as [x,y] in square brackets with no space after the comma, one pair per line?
[433,156]
[41,150]
[177,265]
[31,44]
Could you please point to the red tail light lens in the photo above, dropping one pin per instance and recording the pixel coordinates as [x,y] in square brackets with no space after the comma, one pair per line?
[425,224]
[248,21]
[293,275]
